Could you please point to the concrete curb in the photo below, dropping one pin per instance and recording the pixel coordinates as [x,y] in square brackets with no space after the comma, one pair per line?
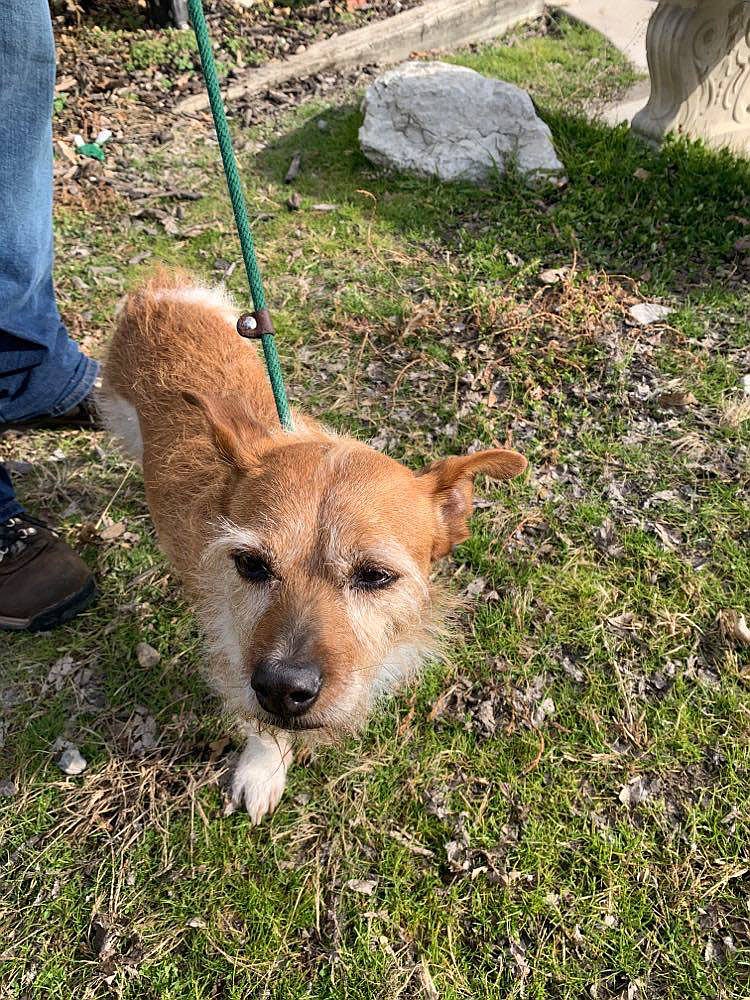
[435,24]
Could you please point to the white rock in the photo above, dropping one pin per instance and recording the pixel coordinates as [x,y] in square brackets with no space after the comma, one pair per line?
[545,710]
[146,655]
[746,384]
[71,761]
[450,122]
[645,313]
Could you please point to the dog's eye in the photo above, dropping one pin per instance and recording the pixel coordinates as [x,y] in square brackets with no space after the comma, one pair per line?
[252,567]
[369,577]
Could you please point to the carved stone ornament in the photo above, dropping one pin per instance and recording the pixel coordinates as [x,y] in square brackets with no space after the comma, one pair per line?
[699,61]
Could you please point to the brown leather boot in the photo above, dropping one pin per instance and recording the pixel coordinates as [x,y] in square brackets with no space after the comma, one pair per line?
[43,583]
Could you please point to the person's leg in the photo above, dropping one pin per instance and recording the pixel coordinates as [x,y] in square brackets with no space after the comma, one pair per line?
[43,582]
[41,369]
[9,505]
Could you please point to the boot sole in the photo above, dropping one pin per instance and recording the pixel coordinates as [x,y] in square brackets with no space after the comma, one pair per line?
[52,617]
[52,424]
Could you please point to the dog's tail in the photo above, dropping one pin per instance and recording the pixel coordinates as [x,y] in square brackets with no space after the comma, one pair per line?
[115,399]
[165,330]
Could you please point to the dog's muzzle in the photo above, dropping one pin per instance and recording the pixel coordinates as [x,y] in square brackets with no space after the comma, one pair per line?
[286,690]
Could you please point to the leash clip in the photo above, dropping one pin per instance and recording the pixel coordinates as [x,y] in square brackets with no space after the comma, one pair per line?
[255,325]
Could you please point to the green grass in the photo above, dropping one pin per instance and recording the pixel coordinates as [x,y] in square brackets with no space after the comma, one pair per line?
[175,49]
[505,863]
[569,67]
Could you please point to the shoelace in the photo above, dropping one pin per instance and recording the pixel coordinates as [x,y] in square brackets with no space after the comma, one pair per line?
[15,535]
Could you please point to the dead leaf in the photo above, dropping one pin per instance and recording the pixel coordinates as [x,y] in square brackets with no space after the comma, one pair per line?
[635,791]
[677,400]
[663,496]
[294,168]
[733,625]
[641,174]
[711,952]
[624,622]
[544,710]
[217,748]
[553,275]
[486,715]
[441,703]
[68,152]
[365,886]
[476,587]
[65,83]
[405,841]
[140,732]
[100,937]
[574,672]
[668,538]
[113,531]
[518,953]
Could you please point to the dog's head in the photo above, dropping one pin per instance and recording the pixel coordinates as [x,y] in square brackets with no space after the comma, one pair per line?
[317,580]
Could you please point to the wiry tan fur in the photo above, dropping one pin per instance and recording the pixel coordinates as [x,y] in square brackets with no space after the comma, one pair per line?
[190,398]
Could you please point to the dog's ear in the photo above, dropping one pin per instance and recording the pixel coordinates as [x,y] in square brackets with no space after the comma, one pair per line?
[451,484]
[235,432]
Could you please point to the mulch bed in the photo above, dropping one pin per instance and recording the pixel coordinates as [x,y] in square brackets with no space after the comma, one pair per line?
[111,65]
[116,72]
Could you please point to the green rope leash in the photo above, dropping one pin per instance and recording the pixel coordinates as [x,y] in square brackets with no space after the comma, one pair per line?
[260,324]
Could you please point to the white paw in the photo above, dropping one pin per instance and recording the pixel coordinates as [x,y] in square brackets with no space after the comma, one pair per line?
[257,786]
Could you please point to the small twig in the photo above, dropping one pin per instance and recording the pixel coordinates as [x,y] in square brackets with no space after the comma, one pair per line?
[534,764]
[400,377]
[357,366]
[519,527]
[114,497]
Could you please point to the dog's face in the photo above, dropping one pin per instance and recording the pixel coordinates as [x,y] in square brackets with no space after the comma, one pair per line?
[317,579]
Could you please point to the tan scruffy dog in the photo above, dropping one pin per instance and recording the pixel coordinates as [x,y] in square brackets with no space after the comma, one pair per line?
[307,555]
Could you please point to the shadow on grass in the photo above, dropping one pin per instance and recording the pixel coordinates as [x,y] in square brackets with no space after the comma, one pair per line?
[669,217]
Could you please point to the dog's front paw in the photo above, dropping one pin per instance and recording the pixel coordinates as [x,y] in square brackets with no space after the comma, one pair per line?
[259,778]
[257,791]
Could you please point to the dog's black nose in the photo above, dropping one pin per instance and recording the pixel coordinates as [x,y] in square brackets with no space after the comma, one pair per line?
[286,688]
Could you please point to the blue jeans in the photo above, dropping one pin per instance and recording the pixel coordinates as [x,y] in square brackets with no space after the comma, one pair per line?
[42,371]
